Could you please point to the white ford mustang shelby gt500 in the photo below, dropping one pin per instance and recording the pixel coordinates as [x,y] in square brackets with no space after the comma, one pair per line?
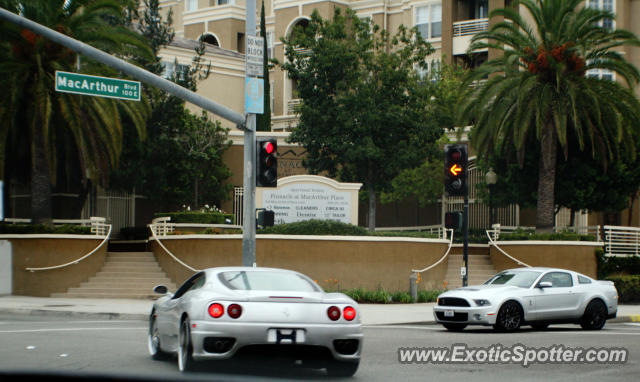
[529,296]
[220,313]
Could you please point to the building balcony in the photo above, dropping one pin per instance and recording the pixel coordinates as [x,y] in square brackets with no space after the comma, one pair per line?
[463,32]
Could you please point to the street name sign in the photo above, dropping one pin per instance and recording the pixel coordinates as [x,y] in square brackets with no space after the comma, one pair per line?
[85,84]
[255,56]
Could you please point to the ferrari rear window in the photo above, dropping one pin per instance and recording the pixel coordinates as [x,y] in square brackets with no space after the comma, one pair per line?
[271,281]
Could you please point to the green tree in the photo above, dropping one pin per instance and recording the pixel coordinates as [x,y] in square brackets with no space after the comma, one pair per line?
[538,87]
[263,121]
[32,111]
[362,110]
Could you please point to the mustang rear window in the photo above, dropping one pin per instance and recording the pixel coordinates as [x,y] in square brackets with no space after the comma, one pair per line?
[260,280]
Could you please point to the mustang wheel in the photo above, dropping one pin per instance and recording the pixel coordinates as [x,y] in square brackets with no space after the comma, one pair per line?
[455,327]
[509,317]
[185,350]
[595,316]
[342,368]
[154,340]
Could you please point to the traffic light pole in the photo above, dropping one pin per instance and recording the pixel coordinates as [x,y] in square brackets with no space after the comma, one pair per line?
[249,193]
[465,250]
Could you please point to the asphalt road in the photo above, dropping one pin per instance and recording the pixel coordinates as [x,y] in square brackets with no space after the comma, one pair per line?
[97,347]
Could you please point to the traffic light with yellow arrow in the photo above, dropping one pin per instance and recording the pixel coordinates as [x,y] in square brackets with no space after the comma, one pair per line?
[455,170]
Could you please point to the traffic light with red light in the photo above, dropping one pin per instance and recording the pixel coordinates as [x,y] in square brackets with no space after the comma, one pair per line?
[455,170]
[267,163]
[453,220]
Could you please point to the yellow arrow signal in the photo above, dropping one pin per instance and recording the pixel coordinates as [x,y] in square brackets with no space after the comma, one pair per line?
[455,169]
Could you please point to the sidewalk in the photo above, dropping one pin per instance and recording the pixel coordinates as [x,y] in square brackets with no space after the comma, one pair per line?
[121,309]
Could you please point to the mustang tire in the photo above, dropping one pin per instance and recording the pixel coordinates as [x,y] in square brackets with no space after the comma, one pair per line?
[185,348]
[595,316]
[154,340]
[455,327]
[509,317]
[342,368]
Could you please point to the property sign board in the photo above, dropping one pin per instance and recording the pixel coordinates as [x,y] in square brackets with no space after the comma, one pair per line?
[76,83]
[254,95]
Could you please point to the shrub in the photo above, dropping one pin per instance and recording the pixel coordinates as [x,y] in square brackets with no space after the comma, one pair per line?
[610,265]
[315,227]
[401,297]
[197,217]
[25,229]
[428,295]
[628,287]
[557,236]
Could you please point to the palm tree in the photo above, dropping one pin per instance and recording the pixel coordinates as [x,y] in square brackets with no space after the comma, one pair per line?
[541,85]
[31,110]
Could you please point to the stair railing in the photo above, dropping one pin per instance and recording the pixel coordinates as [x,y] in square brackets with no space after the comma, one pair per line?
[165,227]
[494,233]
[416,271]
[98,227]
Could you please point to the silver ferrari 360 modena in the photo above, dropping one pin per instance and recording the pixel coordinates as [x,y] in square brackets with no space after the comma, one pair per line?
[223,313]
[529,296]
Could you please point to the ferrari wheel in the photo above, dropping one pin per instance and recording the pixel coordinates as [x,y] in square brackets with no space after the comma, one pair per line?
[455,327]
[185,350]
[342,368]
[595,316]
[509,317]
[154,340]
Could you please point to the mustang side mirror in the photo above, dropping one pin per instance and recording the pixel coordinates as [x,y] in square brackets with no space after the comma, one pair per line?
[545,284]
[161,289]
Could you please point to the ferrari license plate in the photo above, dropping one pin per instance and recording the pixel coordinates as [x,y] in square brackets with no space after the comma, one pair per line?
[286,336]
[448,313]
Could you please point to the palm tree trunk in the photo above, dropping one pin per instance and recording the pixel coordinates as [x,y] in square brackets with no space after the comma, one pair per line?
[372,208]
[547,178]
[40,178]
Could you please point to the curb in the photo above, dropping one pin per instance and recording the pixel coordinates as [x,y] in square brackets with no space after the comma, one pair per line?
[66,313]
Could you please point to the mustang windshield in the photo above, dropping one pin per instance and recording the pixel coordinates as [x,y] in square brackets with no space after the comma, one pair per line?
[260,280]
[522,279]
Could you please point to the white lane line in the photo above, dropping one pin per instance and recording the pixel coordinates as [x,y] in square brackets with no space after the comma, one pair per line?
[602,332]
[633,323]
[66,330]
[423,327]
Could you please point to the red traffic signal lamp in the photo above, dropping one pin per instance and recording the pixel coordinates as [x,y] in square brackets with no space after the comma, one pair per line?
[455,170]
[267,163]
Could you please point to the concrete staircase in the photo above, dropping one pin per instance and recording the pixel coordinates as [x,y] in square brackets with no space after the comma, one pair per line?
[124,275]
[480,267]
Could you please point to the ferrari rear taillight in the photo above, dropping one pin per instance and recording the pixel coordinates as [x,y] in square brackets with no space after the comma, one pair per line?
[349,313]
[234,310]
[216,310]
[334,313]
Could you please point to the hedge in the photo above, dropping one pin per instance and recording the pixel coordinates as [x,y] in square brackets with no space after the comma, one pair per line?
[25,229]
[381,296]
[615,265]
[197,217]
[628,287]
[315,227]
[557,236]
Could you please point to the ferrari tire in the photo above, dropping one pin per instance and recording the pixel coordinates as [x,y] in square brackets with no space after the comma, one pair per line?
[595,316]
[154,340]
[509,318]
[185,348]
[342,368]
[455,327]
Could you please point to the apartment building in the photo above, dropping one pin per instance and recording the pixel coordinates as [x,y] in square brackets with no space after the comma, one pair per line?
[449,25]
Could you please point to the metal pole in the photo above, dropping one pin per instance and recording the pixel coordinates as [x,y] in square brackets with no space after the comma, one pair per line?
[132,70]
[249,199]
[465,253]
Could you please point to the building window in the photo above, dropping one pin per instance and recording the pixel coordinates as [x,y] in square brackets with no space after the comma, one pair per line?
[606,5]
[429,20]
[171,71]
[482,9]
[191,5]
[241,43]
[210,39]
[224,2]
[270,44]
[431,72]
[602,74]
